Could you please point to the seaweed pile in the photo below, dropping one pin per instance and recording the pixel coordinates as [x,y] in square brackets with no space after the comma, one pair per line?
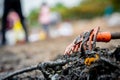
[94,64]
[72,67]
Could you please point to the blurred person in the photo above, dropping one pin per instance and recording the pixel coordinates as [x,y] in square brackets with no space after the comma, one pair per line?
[108,10]
[14,33]
[55,18]
[44,18]
[16,6]
[65,29]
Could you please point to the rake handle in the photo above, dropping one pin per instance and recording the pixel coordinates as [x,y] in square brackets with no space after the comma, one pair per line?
[107,36]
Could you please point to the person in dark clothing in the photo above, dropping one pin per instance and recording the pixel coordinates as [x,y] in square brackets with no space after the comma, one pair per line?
[16,6]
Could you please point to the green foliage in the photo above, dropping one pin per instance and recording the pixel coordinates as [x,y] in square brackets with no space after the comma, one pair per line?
[58,7]
[86,9]
[33,17]
[116,4]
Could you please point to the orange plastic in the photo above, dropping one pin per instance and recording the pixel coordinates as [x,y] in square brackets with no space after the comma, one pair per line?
[104,37]
[88,61]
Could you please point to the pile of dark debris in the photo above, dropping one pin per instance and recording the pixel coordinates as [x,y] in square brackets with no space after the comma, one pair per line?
[86,62]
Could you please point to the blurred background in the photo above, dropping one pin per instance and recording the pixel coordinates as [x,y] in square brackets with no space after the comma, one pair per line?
[52,25]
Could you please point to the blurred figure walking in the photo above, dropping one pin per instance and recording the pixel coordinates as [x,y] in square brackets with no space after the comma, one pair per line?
[14,5]
[44,18]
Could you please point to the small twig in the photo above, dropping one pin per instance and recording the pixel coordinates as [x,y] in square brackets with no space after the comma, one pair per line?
[28,69]
[40,66]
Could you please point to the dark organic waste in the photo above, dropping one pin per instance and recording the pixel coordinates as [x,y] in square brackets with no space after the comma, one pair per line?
[88,63]
[72,67]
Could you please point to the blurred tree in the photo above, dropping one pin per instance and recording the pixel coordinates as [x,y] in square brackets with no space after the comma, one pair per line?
[59,6]
[86,9]
[116,4]
[33,17]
